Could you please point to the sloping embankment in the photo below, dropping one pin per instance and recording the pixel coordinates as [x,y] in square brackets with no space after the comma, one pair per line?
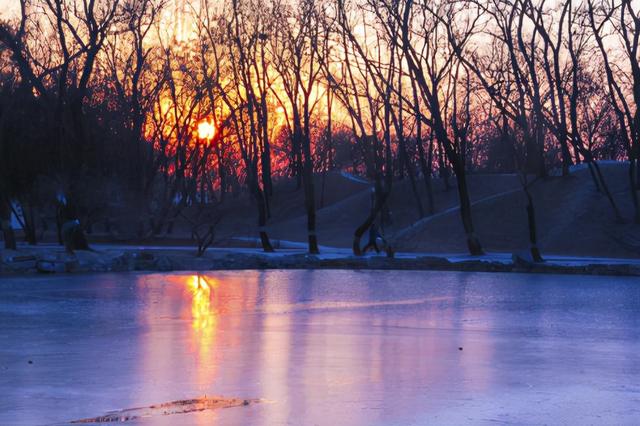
[49,260]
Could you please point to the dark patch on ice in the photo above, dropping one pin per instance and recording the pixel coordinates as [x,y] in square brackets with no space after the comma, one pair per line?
[174,407]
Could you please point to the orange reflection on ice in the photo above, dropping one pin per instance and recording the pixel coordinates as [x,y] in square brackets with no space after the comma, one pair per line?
[203,315]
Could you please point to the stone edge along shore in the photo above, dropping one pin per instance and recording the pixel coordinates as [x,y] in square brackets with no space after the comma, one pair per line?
[17,263]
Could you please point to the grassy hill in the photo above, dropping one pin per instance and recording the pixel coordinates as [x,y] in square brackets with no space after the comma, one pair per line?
[573,218]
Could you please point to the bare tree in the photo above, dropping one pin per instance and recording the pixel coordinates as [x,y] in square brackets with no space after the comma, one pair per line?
[243,37]
[423,32]
[298,67]
[623,20]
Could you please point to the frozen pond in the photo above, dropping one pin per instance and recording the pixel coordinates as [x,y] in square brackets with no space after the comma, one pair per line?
[323,347]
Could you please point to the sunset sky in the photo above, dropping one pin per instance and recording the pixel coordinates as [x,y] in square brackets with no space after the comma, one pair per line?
[8,6]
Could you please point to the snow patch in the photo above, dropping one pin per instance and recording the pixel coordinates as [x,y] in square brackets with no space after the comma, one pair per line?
[354,178]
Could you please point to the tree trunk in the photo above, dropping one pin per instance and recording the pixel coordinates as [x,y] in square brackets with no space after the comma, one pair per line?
[28,222]
[473,243]
[426,173]
[531,220]
[297,160]
[309,194]
[425,166]
[309,190]
[71,230]
[411,174]
[442,169]
[8,235]
[267,182]
[594,177]
[7,231]
[322,188]
[222,173]
[566,156]
[262,212]
[605,188]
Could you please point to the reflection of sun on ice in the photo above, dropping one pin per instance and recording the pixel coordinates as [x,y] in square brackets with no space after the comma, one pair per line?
[206,130]
[203,316]
[204,325]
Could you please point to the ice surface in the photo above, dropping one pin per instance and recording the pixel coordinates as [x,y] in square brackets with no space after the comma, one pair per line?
[323,347]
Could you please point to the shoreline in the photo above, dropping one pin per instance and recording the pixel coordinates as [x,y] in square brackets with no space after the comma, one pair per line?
[42,260]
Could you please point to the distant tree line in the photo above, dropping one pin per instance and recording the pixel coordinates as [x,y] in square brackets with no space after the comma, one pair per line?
[107,103]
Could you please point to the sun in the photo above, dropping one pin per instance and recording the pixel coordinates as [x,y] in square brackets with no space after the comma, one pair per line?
[206,130]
